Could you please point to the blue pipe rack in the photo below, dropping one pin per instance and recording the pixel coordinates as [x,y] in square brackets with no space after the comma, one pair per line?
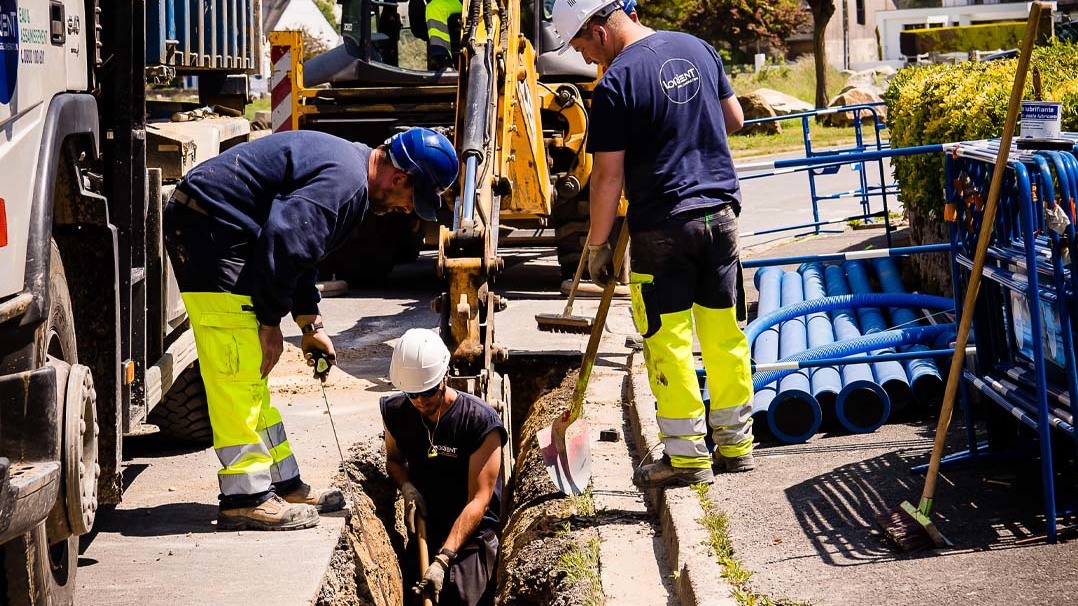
[1025,362]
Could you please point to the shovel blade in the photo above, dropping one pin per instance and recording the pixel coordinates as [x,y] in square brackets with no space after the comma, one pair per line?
[567,456]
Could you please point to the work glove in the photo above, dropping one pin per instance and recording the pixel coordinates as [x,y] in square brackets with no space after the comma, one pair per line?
[413,503]
[433,578]
[319,353]
[601,264]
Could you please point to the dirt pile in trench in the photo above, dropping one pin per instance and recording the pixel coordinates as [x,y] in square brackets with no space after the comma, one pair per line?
[547,551]
[364,570]
[547,534]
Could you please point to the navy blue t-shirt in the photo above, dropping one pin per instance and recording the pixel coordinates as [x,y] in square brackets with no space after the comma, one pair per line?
[295,196]
[659,103]
[443,480]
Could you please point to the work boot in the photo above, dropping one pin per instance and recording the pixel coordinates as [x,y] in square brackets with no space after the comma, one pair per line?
[272,514]
[745,462]
[324,501]
[661,474]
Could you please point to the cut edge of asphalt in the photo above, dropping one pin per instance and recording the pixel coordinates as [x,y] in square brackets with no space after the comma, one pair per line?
[698,576]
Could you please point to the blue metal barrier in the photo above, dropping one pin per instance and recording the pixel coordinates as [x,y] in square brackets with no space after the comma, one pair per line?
[1027,309]
[855,156]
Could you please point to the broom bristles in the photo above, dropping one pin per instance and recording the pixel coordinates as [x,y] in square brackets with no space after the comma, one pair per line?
[910,530]
[564,324]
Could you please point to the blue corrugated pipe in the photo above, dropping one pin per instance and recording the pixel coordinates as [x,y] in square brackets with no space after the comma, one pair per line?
[794,415]
[863,405]
[765,348]
[845,301]
[888,338]
[855,391]
[891,375]
[826,380]
[923,373]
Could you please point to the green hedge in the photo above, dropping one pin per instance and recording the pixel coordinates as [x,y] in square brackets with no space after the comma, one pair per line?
[986,36]
[966,101]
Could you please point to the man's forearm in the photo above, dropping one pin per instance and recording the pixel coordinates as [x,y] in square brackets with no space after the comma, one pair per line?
[464,526]
[397,473]
[306,319]
[606,181]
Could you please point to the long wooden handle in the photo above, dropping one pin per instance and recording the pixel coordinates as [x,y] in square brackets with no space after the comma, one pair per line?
[424,554]
[576,280]
[987,222]
[597,328]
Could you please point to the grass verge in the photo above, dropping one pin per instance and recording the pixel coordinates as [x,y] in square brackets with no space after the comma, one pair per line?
[580,565]
[254,106]
[735,573]
[792,139]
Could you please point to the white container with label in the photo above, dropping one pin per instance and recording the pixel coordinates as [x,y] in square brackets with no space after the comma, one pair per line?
[1041,119]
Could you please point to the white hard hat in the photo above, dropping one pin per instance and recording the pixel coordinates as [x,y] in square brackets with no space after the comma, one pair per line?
[420,361]
[570,15]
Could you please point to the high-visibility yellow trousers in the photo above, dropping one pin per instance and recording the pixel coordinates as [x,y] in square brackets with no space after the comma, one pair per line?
[248,434]
[438,14]
[686,273]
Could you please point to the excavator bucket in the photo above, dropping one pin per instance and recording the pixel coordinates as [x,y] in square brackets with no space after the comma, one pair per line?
[565,446]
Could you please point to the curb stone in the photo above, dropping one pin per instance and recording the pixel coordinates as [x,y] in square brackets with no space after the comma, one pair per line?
[699,580]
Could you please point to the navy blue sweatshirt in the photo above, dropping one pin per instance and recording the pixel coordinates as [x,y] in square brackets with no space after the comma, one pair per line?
[296,195]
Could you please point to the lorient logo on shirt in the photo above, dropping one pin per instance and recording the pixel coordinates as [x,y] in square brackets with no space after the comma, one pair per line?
[446,451]
[680,80]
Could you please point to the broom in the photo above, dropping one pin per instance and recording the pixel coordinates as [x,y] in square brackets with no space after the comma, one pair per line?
[909,527]
[566,322]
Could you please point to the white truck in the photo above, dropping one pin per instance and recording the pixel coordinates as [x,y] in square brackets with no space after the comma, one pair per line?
[93,336]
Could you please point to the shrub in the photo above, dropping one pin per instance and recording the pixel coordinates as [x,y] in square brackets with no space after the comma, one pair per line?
[966,101]
[986,36]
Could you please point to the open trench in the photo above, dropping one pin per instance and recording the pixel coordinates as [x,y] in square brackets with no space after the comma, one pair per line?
[548,551]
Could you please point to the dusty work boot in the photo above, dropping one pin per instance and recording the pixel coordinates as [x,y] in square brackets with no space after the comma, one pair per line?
[272,514]
[661,474]
[745,462]
[324,501]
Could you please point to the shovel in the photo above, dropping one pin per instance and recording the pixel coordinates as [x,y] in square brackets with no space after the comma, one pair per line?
[565,448]
[424,554]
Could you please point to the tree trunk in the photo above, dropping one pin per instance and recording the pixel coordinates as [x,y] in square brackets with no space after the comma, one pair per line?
[821,15]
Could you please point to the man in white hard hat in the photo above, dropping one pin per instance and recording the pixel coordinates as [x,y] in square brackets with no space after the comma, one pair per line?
[444,451]
[660,116]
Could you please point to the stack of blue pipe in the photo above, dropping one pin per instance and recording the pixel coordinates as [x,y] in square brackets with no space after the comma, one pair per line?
[860,397]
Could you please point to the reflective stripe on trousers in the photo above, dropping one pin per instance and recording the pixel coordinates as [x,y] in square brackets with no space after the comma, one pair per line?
[248,434]
[438,13]
[725,350]
[672,375]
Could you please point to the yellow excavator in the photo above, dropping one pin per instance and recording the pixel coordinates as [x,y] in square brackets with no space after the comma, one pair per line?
[516,110]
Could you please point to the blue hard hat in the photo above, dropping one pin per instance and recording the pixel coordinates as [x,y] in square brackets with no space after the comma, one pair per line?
[432,163]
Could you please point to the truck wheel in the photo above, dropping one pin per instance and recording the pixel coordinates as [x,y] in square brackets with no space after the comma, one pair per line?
[183,415]
[39,571]
[39,567]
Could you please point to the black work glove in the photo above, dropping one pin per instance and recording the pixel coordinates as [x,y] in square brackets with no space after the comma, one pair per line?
[434,578]
[321,362]
[601,264]
[413,505]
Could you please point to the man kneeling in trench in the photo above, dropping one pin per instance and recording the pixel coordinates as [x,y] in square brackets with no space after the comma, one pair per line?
[444,451]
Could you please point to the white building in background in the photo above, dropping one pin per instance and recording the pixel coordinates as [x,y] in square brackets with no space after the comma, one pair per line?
[952,14]
[284,15]
[862,33]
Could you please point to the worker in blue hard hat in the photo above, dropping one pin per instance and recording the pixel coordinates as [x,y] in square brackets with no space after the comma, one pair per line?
[660,116]
[244,232]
